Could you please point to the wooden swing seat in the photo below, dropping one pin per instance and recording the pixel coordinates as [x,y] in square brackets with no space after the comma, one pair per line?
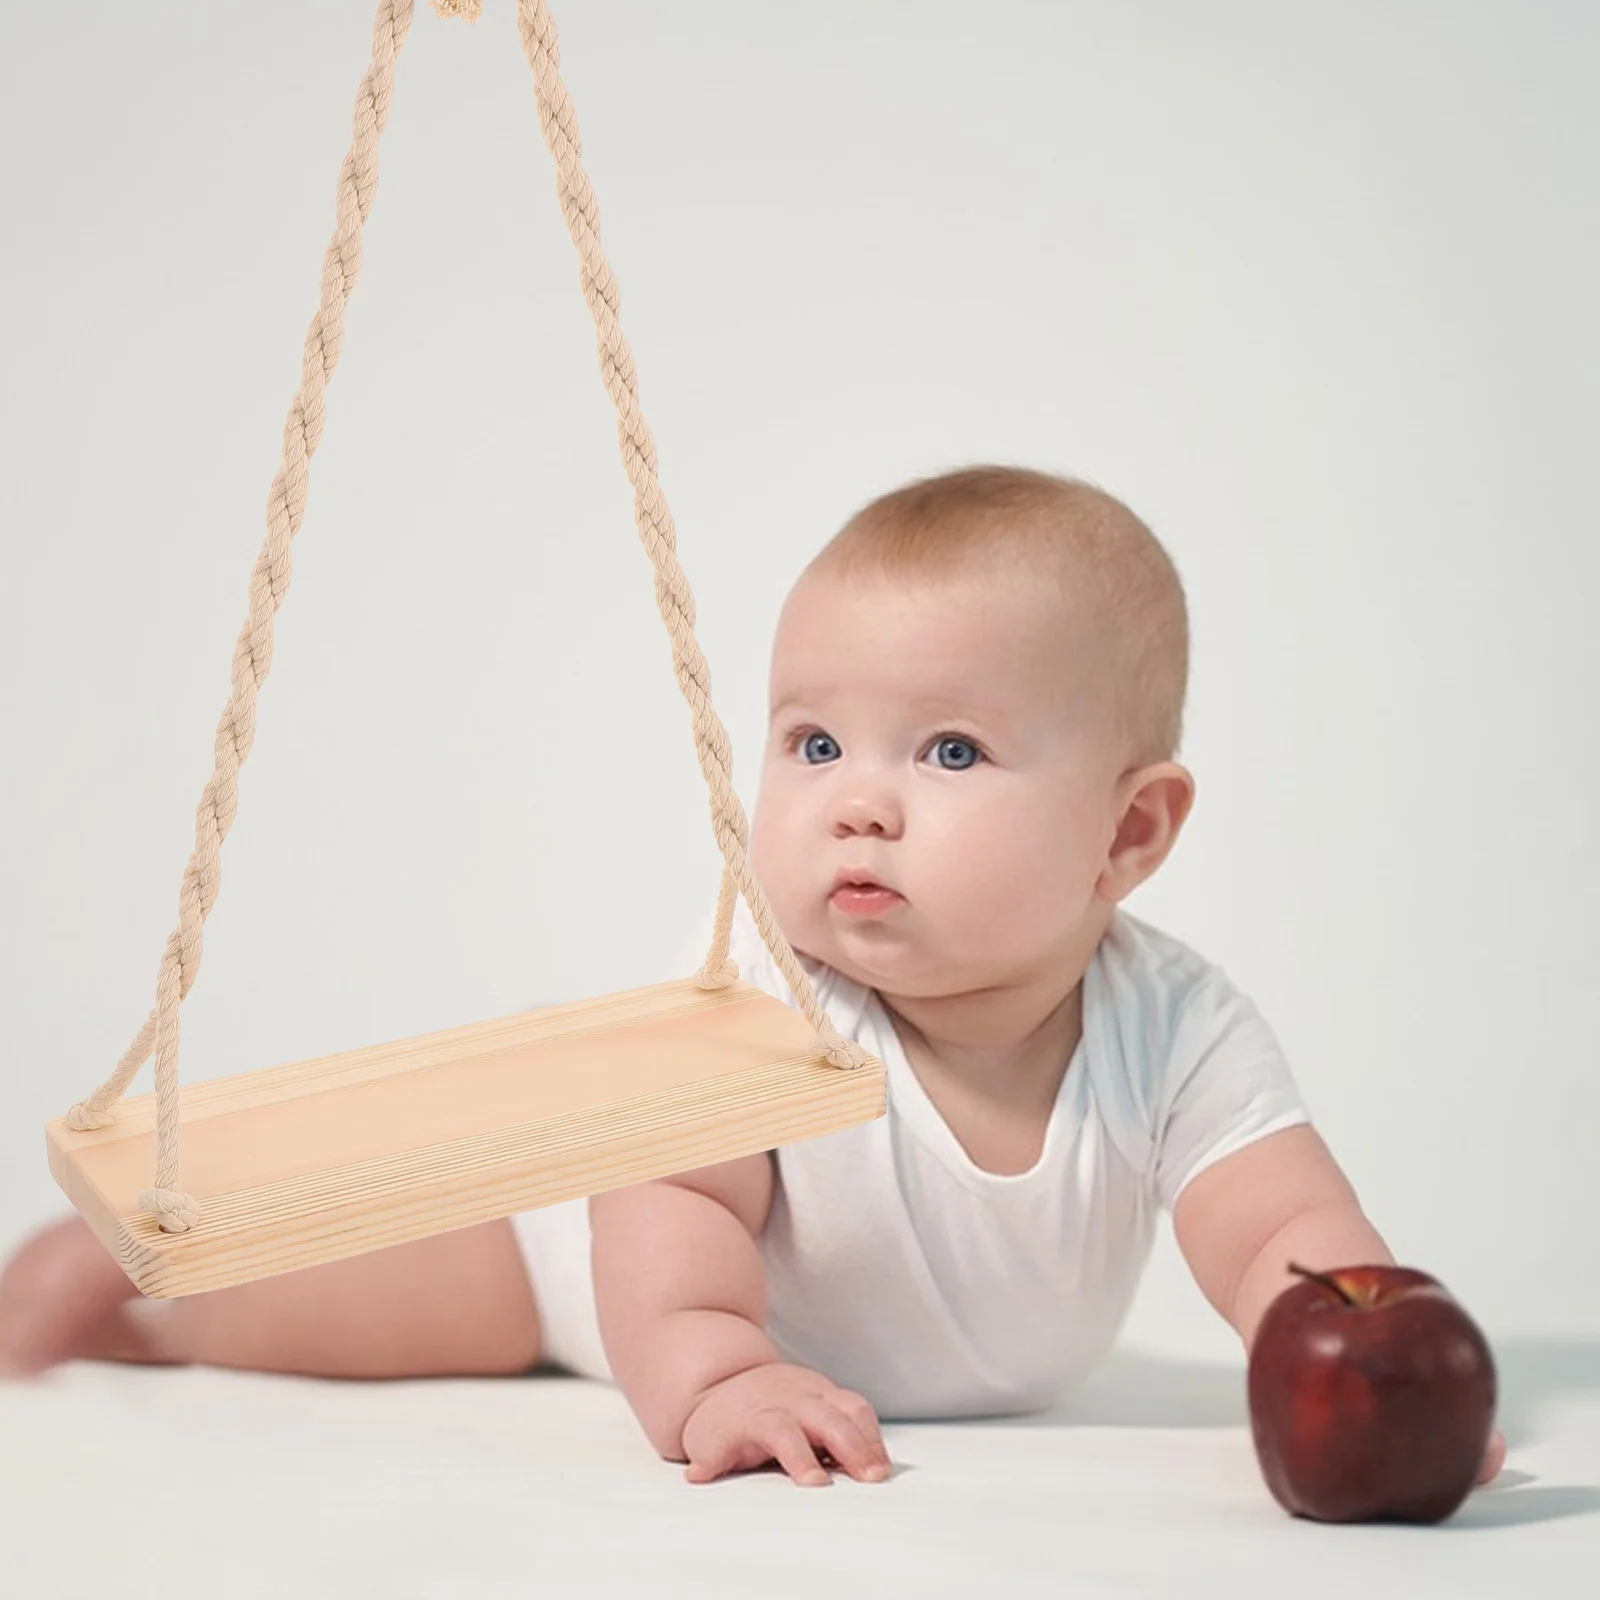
[322,1159]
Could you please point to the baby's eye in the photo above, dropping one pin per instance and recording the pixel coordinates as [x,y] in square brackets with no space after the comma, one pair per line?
[972,754]
[807,740]
[814,746]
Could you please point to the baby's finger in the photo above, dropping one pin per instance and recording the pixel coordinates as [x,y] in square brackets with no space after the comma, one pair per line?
[1494,1457]
[859,1410]
[845,1441]
[779,1433]
[728,1449]
[712,1460]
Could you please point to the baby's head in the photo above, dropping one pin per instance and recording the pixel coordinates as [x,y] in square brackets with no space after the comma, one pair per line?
[975,698]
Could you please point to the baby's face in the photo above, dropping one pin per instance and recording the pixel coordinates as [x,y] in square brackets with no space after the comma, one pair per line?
[954,745]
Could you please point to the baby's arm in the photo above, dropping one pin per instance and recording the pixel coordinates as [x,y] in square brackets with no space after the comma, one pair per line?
[1282,1198]
[681,1299]
[679,1289]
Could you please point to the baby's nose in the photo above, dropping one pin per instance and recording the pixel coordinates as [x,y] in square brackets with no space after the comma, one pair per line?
[876,813]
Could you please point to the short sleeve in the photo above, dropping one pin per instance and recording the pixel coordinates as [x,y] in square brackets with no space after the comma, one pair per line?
[1227,1085]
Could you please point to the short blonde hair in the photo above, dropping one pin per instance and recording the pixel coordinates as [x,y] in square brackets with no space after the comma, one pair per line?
[981,522]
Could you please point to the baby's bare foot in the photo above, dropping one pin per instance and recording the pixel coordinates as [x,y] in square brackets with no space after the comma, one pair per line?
[63,1298]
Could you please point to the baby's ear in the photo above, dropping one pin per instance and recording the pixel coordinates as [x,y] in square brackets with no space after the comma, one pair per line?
[1155,802]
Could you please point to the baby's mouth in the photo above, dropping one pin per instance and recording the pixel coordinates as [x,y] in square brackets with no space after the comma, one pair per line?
[864,899]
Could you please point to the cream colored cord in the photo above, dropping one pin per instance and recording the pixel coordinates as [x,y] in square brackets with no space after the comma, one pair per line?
[174,1210]
[654,522]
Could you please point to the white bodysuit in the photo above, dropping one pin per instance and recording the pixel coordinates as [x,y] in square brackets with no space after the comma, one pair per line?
[898,1268]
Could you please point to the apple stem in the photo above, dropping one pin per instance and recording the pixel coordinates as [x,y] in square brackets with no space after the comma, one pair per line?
[1323,1279]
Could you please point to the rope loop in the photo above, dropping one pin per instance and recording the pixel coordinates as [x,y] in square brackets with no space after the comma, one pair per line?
[83,1118]
[837,1050]
[174,1211]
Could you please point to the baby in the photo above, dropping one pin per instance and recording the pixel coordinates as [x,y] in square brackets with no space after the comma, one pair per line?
[977,693]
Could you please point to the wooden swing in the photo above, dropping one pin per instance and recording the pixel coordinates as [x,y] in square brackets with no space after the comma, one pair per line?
[347,1153]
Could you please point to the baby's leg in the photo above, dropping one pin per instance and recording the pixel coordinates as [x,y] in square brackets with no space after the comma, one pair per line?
[456,1304]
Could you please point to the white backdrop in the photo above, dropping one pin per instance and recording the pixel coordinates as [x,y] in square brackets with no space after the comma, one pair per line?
[1313,291]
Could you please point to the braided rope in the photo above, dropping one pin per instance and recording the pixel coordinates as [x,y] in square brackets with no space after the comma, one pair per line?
[252,655]
[674,598]
[174,1210]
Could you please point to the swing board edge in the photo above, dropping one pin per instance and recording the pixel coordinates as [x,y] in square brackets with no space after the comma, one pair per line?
[427,1185]
[160,1267]
[212,1097]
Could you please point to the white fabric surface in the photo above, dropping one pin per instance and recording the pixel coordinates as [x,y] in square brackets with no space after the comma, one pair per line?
[200,1485]
[205,1485]
[937,1289]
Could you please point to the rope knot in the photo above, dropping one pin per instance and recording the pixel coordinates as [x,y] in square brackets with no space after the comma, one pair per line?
[83,1118]
[837,1050]
[471,10]
[174,1211]
[719,979]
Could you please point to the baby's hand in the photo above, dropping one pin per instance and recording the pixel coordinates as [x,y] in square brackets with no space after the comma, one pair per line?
[1494,1457]
[785,1414]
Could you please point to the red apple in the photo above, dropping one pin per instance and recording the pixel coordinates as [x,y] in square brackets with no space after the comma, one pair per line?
[1372,1396]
